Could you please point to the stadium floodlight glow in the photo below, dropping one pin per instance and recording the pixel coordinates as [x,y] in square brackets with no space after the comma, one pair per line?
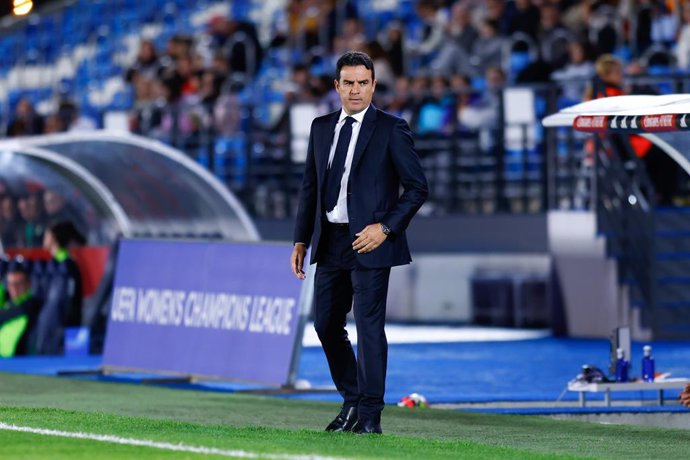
[22,7]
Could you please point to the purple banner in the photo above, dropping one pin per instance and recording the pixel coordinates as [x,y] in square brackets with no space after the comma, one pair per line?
[208,309]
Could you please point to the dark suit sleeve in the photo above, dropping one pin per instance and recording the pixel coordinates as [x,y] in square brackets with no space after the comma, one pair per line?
[409,169]
[306,212]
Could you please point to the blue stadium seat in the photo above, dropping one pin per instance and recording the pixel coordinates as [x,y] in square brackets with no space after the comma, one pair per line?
[230,159]
[122,100]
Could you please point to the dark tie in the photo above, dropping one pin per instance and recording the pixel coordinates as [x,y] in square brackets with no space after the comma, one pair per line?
[335,172]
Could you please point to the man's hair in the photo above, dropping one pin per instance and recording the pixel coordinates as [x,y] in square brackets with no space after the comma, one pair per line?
[66,233]
[20,265]
[607,63]
[353,59]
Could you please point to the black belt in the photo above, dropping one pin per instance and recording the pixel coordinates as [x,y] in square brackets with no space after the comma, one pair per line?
[338,225]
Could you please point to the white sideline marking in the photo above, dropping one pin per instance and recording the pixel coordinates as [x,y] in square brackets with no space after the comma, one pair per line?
[436,334]
[160,445]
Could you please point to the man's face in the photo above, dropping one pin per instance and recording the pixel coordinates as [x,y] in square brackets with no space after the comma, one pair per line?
[356,88]
[17,284]
[52,202]
[28,208]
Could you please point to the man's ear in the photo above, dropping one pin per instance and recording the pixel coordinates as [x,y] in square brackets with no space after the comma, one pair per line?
[336,84]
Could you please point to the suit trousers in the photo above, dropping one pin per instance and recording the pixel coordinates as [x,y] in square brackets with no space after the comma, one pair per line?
[341,284]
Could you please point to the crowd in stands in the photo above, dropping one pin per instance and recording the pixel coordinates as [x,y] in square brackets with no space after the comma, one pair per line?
[438,66]
[26,121]
[438,70]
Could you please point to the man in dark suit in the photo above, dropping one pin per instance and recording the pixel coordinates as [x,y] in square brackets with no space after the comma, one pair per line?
[352,212]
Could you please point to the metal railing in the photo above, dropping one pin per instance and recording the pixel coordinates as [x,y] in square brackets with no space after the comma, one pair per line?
[625,203]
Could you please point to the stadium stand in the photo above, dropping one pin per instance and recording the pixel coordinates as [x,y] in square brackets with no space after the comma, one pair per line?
[228,101]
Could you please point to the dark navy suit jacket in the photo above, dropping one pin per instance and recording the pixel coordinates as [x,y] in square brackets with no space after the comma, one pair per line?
[383,161]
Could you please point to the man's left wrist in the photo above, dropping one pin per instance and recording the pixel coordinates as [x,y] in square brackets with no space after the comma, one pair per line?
[385,229]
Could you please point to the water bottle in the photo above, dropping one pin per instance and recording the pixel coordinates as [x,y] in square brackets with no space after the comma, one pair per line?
[621,366]
[647,364]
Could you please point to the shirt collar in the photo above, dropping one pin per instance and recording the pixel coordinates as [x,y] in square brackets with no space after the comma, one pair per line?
[359,117]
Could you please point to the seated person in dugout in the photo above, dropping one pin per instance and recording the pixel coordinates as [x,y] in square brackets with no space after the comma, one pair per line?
[19,312]
[59,238]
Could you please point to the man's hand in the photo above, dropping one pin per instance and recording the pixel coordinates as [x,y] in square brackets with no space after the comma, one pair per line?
[297,260]
[685,396]
[369,239]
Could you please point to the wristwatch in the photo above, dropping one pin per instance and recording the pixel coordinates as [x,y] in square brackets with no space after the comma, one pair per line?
[384,228]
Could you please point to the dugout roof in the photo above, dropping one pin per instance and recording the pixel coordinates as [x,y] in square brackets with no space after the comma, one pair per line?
[665,120]
[125,184]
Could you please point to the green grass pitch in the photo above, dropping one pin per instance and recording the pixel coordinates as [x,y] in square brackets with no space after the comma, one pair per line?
[274,427]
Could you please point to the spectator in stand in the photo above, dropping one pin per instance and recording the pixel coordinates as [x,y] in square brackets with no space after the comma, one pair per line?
[181,105]
[576,19]
[210,86]
[300,89]
[33,220]
[482,114]
[226,112]
[176,47]
[353,34]
[385,78]
[398,99]
[525,19]
[149,103]
[239,42]
[305,18]
[683,47]
[220,66]
[419,88]
[461,86]
[501,14]
[575,73]
[393,44]
[609,78]
[553,37]
[634,70]
[26,121]
[53,124]
[460,27]
[10,224]
[433,31]
[664,28]
[184,79]
[488,49]
[436,112]
[147,64]
[19,313]
[72,119]
[453,56]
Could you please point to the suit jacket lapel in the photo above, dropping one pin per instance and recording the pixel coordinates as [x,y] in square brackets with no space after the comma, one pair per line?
[324,146]
[365,132]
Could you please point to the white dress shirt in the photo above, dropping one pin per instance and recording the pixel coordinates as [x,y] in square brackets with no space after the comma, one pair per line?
[339,214]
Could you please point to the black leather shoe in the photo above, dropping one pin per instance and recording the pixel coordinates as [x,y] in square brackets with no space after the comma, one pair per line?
[367,426]
[345,420]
